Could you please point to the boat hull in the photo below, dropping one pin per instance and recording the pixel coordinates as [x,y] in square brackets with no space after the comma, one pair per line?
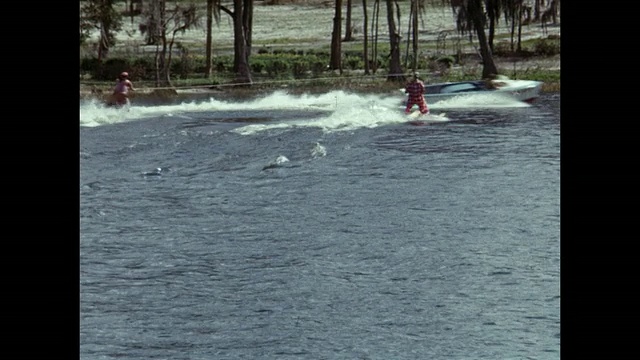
[519,90]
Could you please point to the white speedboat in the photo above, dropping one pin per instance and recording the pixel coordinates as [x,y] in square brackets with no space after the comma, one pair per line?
[522,90]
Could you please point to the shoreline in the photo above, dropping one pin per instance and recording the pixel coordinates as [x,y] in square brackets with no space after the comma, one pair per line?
[348,81]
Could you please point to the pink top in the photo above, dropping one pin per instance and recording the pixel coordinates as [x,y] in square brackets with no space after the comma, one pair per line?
[122,87]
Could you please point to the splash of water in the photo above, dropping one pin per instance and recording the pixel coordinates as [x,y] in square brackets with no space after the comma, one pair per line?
[95,113]
[277,162]
[344,111]
[347,111]
[480,100]
[318,151]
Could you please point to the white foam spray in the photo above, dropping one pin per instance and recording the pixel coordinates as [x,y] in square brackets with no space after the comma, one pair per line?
[344,110]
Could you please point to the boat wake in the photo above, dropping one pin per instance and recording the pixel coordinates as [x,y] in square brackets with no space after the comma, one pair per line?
[485,100]
[333,111]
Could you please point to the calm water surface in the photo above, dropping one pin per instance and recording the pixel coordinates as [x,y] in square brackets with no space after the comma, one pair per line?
[320,227]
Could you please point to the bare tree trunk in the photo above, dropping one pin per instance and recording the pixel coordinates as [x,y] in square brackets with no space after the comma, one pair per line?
[374,29]
[154,22]
[247,21]
[475,12]
[103,49]
[242,17]
[164,70]
[241,46]
[406,54]
[554,10]
[170,58]
[336,37]
[395,70]
[415,34]
[348,35]
[366,38]
[157,65]
[513,28]
[103,44]
[207,68]
[520,14]
[492,4]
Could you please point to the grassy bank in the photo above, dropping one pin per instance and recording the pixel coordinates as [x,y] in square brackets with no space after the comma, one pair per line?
[354,81]
[306,70]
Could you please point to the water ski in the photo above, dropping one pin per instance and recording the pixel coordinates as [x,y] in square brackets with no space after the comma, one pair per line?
[413,118]
[417,119]
[414,115]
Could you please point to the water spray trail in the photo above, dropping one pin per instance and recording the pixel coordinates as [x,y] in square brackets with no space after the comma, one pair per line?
[344,110]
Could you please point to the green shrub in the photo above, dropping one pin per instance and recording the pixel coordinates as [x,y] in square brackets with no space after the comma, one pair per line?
[352,53]
[300,68]
[111,68]
[277,67]
[354,62]
[143,69]
[199,63]
[446,61]
[318,66]
[223,63]
[89,65]
[175,67]
[187,64]
[423,62]
[546,47]
[440,64]
[319,53]
[257,66]
[284,51]
[502,48]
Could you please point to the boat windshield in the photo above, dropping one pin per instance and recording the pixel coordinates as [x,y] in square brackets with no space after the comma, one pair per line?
[454,88]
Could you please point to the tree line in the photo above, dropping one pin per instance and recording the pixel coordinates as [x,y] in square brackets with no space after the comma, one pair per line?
[161,24]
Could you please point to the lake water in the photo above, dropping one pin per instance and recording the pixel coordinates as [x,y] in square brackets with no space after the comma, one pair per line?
[320,227]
